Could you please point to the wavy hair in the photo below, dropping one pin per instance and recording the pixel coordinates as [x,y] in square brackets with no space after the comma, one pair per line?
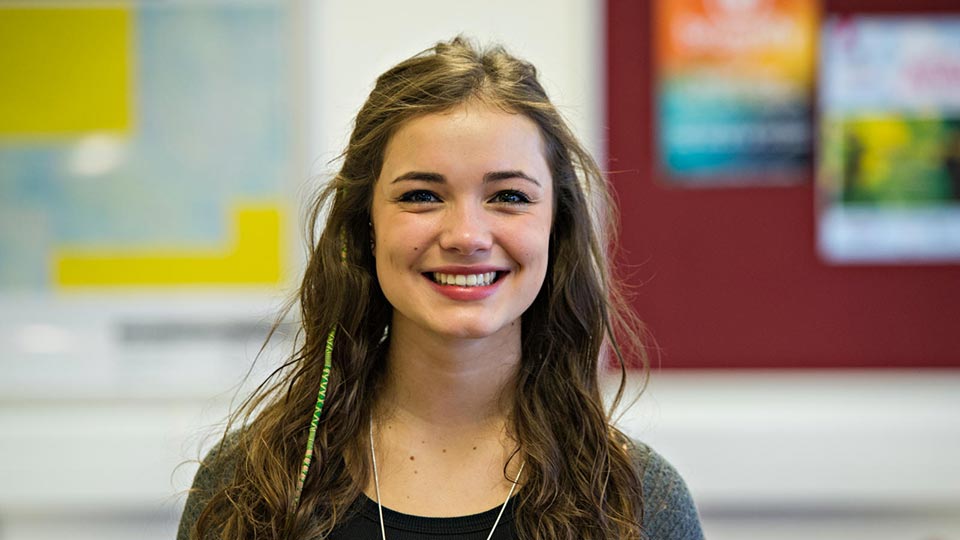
[579,480]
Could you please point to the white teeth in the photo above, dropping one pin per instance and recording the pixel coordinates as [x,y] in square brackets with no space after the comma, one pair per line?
[465,280]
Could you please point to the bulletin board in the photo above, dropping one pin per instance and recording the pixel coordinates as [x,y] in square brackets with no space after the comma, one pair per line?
[729,276]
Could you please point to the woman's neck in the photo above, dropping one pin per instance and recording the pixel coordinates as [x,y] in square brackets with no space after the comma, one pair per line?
[450,382]
[441,425]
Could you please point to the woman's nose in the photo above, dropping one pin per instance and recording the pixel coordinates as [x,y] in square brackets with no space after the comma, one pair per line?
[466,230]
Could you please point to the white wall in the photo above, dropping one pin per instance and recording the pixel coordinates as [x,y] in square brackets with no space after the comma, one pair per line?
[767,455]
[827,442]
[354,41]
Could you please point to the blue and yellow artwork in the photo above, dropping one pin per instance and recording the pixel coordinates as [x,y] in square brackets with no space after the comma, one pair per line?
[145,145]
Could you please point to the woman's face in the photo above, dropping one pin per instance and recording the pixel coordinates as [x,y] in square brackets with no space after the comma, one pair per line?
[461,219]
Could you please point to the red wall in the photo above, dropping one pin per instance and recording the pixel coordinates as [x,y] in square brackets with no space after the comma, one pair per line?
[729,277]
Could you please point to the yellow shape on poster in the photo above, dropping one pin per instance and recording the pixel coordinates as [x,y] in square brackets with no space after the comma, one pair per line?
[253,258]
[65,70]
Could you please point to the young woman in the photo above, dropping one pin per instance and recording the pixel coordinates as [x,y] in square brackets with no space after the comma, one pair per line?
[455,311]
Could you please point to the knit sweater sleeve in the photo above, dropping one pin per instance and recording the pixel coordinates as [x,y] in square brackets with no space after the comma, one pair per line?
[214,472]
[668,509]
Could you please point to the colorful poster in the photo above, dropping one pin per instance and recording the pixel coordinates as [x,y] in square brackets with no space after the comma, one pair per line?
[145,145]
[734,87]
[888,178]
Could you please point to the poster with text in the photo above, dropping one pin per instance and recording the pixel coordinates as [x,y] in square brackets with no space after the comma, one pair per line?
[888,177]
[733,90]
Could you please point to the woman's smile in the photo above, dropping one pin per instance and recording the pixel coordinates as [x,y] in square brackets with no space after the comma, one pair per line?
[466,285]
[482,279]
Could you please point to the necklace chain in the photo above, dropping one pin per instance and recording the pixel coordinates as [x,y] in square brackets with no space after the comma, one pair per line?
[376,485]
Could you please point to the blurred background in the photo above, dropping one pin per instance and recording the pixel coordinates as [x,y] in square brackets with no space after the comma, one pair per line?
[788,174]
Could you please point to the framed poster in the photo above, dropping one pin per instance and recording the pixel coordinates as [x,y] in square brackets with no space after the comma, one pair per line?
[734,81]
[888,180]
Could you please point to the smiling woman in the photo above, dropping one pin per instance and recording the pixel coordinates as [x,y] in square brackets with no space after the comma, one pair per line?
[455,311]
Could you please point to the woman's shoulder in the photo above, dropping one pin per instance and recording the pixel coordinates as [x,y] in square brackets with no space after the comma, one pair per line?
[215,471]
[669,512]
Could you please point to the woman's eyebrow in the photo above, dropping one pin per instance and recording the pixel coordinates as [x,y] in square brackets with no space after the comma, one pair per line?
[421,176]
[438,178]
[506,175]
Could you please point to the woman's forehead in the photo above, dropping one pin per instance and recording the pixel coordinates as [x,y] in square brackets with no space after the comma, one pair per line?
[472,135]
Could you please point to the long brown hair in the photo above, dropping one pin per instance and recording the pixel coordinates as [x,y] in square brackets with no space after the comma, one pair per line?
[579,480]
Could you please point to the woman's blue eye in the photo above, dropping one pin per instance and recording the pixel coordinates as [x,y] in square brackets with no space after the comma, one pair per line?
[511,196]
[419,196]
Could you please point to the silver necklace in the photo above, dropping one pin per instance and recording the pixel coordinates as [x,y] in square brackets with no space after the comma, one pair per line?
[376,485]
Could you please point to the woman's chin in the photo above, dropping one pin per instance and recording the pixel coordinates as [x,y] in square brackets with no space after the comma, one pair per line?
[456,325]
[472,332]
[473,329]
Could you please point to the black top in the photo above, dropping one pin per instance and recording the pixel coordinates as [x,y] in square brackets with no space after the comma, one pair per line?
[365,525]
